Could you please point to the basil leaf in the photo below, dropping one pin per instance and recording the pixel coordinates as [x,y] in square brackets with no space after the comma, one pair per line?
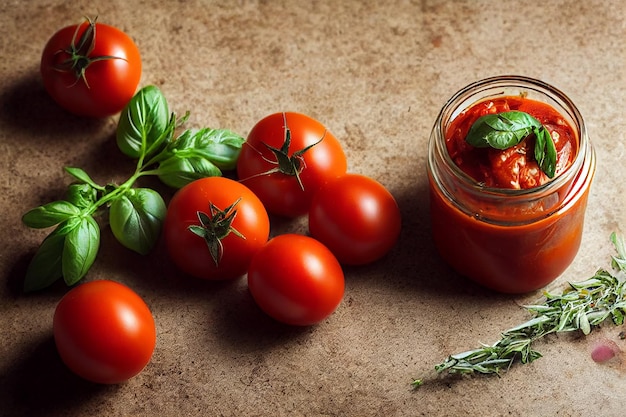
[199,153]
[507,129]
[45,267]
[82,176]
[178,171]
[47,264]
[502,130]
[80,249]
[136,219]
[144,123]
[219,146]
[50,214]
[81,195]
[517,120]
[545,151]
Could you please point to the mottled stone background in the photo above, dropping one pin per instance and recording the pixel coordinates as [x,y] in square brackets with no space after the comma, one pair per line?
[376,74]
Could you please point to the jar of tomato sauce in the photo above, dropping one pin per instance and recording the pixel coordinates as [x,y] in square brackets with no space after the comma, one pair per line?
[497,218]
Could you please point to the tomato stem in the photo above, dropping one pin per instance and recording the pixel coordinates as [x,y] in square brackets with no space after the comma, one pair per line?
[216,226]
[291,165]
[78,53]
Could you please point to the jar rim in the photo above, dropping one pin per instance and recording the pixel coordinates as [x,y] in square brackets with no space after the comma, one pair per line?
[521,82]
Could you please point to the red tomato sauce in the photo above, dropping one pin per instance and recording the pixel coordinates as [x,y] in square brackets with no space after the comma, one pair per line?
[507,241]
[507,259]
[515,167]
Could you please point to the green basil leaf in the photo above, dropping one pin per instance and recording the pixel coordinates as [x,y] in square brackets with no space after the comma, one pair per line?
[177,172]
[80,249]
[516,120]
[45,267]
[50,214]
[199,153]
[545,151]
[136,219]
[505,139]
[506,129]
[81,195]
[477,135]
[144,123]
[82,176]
[47,264]
[502,130]
[219,146]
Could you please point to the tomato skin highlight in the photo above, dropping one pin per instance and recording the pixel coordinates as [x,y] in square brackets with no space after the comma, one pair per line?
[104,332]
[296,280]
[111,83]
[281,194]
[189,251]
[356,217]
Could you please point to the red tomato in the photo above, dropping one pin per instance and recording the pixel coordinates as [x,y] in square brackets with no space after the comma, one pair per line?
[356,217]
[238,234]
[91,69]
[104,332]
[296,280]
[277,185]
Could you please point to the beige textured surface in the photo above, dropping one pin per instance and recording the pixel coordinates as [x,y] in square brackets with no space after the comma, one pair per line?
[376,73]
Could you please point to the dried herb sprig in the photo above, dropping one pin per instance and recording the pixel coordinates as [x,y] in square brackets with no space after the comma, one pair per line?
[580,307]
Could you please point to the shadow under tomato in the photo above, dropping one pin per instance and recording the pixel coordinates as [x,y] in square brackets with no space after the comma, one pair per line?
[26,105]
[154,273]
[40,383]
[243,326]
[413,265]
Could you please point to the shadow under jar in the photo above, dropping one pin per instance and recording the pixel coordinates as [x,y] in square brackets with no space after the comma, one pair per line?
[507,238]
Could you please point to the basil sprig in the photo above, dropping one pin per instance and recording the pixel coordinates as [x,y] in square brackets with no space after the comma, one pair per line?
[507,129]
[146,131]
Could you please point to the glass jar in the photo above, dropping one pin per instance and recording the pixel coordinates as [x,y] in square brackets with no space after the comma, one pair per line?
[509,240]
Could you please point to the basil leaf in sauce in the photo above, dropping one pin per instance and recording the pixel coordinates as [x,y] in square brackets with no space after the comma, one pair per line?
[507,129]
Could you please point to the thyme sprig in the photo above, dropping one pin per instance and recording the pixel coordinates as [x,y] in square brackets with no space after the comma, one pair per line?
[579,307]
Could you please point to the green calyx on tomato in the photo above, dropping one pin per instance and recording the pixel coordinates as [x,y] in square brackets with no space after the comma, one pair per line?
[216,226]
[286,164]
[189,252]
[108,63]
[316,161]
[507,129]
[80,52]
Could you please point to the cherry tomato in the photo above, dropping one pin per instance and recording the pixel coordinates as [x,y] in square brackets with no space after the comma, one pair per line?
[91,69]
[356,217]
[303,156]
[104,332]
[296,280]
[213,227]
